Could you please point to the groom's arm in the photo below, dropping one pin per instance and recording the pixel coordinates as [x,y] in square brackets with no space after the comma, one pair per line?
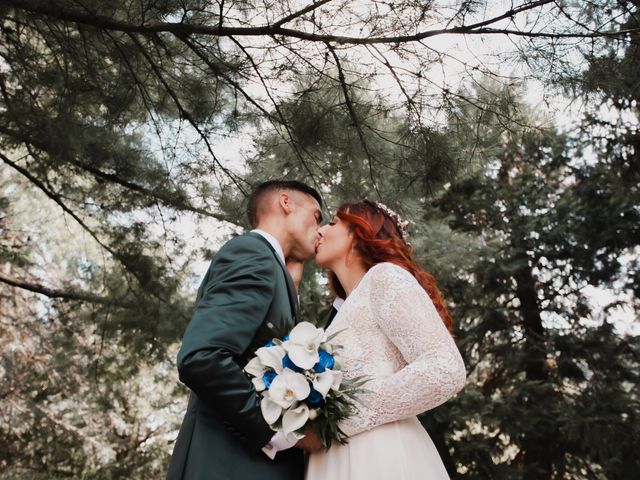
[232,307]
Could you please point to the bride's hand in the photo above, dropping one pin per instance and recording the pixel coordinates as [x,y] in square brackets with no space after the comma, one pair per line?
[311,441]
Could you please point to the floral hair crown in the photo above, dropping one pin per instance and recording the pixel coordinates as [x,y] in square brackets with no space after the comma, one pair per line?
[401,224]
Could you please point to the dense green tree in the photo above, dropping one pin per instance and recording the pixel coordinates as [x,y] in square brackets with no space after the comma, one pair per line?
[547,367]
[610,186]
[77,399]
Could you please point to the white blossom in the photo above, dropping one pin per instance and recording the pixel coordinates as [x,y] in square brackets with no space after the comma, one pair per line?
[302,346]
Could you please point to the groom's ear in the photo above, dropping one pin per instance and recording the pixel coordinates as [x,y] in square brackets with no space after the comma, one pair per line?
[286,202]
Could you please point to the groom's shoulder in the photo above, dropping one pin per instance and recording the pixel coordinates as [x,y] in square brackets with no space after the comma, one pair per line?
[238,254]
[245,245]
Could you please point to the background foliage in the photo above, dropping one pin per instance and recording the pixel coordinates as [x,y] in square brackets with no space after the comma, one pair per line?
[131,133]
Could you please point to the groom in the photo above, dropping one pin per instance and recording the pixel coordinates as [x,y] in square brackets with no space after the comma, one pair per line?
[246,295]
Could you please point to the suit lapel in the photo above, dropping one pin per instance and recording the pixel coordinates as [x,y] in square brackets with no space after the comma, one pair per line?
[330,317]
[291,289]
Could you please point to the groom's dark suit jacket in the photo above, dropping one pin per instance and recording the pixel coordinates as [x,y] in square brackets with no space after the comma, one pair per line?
[246,295]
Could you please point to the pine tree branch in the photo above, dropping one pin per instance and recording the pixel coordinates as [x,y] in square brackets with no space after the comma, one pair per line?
[319,71]
[38,183]
[217,71]
[569,17]
[185,113]
[56,198]
[41,144]
[56,293]
[111,177]
[52,10]
[392,70]
[167,201]
[354,117]
[140,85]
[530,34]
[301,12]
[283,121]
[47,415]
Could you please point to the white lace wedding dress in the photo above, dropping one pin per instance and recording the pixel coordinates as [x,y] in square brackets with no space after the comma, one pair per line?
[392,333]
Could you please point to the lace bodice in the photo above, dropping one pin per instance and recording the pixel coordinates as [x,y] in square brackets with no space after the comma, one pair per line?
[391,332]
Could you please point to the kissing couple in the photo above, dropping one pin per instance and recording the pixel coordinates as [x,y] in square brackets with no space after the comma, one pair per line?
[393,324]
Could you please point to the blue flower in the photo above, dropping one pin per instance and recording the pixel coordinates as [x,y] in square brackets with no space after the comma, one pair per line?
[326,362]
[268,378]
[270,344]
[314,399]
[288,363]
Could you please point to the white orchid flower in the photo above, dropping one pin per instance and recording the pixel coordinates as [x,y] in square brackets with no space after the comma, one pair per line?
[288,387]
[327,380]
[271,357]
[295,418]
[258,384]
[314,413]
[302,346]
[255,367]
[270,410]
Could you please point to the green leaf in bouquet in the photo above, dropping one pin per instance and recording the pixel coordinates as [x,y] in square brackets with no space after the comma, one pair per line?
[338,406]
[334,335]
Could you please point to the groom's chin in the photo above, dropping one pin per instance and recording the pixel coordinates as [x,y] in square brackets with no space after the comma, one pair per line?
[310,255]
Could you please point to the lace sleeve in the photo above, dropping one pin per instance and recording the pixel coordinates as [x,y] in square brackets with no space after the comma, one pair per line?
[434,369]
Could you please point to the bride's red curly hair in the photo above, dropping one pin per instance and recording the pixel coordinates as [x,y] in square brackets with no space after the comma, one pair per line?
[376,237]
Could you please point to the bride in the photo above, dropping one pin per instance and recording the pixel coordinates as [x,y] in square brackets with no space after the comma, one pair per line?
[394,328]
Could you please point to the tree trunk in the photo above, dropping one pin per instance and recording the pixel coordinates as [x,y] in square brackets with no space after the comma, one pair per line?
[537,450]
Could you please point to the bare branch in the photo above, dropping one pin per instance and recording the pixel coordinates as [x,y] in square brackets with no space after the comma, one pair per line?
[56,198]
[301,12]
[56,293]
[216,70]
[181,28]
[411,105]
[354,117]
[185,113]
[111,177]
[276,107]
[166,200]
[24,172]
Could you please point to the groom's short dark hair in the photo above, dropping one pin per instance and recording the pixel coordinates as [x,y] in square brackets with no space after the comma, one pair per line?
[272,186]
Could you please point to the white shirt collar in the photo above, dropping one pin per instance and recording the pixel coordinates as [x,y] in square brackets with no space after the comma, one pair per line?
[273,241]
[338,302]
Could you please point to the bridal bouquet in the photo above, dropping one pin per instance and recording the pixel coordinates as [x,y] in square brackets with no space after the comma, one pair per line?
[300,383]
